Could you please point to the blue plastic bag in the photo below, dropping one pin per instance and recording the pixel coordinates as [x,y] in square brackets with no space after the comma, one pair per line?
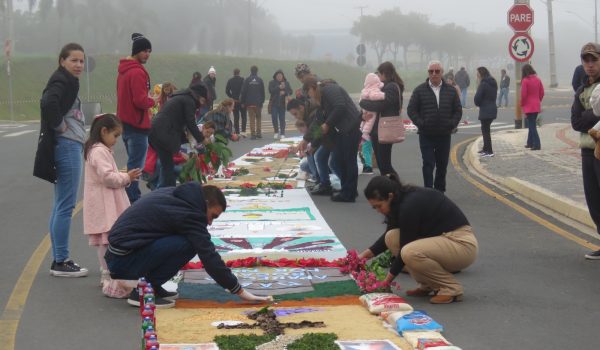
[417,321]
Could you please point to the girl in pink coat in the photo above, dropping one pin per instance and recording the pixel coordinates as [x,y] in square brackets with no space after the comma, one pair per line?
[372,92]
[532,93]
[104,196]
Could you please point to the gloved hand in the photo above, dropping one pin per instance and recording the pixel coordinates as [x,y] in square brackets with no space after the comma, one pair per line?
[245,295]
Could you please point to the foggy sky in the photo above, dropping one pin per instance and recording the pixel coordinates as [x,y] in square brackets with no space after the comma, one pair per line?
[475,15]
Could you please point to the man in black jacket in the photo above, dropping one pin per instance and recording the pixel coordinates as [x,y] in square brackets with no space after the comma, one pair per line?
[253,98]
[163,231]
[168,128]
[234,91]
[436,110]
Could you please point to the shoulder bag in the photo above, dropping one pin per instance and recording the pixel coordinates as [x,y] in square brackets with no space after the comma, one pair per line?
[391,129]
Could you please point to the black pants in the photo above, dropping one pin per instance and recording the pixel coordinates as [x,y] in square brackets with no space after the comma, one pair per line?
[345,152]
[590,167]
[383,155]
[237,112]
[435,151]
[487,135]
[166,177]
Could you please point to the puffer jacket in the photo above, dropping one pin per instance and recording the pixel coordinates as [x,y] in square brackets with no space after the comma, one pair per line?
[430,119]
[339,109]
[168,126]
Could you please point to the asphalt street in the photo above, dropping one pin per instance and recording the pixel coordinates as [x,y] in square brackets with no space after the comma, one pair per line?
[529,288]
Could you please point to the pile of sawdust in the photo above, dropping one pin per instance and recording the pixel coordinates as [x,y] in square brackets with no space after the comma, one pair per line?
[350,322]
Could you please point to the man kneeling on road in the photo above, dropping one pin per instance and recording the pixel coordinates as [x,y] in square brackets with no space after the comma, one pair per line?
[163,231]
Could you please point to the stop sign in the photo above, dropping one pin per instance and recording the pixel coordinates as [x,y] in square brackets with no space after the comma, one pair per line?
[520,17]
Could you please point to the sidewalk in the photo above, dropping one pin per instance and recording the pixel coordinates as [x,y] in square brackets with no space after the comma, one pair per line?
[550,177]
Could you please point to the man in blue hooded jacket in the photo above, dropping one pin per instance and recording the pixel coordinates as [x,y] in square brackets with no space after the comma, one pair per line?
[162,232]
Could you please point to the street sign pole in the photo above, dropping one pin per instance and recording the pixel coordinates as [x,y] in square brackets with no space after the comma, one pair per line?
[518,68]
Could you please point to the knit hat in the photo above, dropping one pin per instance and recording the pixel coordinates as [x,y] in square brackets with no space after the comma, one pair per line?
[140,43]
[199,89]
[212,70]
[302,68]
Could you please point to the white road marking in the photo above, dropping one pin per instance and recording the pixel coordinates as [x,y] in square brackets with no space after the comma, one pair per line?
[478,125]
[19,133]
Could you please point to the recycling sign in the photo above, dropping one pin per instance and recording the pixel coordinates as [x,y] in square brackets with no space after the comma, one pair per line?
[521,47]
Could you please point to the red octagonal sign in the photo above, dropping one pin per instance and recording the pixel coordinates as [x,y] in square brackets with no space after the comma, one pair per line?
[520,17]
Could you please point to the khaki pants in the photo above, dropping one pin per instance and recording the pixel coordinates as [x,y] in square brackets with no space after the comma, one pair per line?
[254,114]
[431,261]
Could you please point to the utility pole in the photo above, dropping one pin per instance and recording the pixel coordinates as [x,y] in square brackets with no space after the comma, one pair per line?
[595,21]
[249,27]
[11,43]
[361,8]
[553,82]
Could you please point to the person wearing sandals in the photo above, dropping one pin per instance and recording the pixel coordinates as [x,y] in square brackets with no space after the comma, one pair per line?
[427,234]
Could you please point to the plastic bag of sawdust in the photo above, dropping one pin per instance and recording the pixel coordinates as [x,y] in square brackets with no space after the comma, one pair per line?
[392,317]
[424,337]
[417,321]
[426,340]
[378,302]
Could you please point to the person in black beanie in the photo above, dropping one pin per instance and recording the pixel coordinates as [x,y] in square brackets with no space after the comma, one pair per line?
[133,106]
[140,43]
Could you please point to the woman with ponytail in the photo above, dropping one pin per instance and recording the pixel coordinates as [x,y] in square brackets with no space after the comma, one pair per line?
[428,235]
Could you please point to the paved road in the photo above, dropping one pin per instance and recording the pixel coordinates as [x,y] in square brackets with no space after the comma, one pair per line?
[529,289]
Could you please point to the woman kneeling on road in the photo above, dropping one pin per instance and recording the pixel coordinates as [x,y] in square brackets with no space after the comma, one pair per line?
[426,233]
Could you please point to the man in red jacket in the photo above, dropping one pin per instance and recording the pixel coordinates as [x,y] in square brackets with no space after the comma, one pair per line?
[133,105]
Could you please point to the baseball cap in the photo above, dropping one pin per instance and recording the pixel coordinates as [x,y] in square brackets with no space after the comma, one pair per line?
[591,49]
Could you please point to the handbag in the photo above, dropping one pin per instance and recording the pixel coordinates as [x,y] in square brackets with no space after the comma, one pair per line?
[391,129]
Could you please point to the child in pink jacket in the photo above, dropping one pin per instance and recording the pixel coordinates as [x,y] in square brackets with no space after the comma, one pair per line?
[372,92]
[104,196]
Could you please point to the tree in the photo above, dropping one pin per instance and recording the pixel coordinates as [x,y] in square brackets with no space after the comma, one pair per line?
[368,29]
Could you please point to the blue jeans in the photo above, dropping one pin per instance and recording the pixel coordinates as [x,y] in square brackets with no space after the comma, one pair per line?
[322,156]
[278,119]
[503,94]
[463,97]
[366,149]
[158,261]
[309,166]
[136,145]
[533,138]
[69,164]
[435,152]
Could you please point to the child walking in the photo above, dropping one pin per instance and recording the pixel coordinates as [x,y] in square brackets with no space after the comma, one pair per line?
[371,92]
[104,196]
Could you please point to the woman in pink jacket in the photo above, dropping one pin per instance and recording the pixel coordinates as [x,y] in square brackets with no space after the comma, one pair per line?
[532,93]
[104,196]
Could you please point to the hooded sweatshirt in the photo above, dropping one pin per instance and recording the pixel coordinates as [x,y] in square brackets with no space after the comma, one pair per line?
[133,102]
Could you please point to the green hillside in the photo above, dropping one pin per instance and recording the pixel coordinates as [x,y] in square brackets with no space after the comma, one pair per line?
[30,75]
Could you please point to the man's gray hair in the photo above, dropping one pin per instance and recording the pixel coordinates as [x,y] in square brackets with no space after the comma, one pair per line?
[432,62]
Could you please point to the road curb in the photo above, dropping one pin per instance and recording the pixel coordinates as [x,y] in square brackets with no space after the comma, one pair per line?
[537,194]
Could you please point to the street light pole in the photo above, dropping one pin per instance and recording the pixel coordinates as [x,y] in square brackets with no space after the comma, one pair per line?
[11,43]
[553,82]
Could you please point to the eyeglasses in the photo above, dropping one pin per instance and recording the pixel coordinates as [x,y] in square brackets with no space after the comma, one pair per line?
[436,71]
